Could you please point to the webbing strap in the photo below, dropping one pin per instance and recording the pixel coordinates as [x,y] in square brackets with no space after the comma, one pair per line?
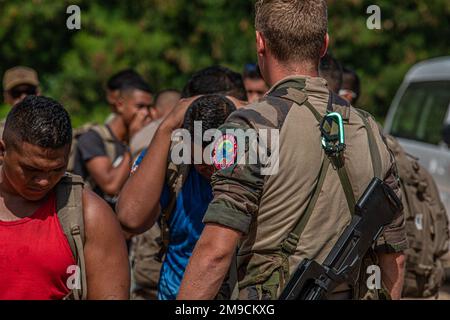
[339,165]
[313,110]
[290,243]
[347,186]
[298,97]
[69,206]
[108,140]
[374,151]
[81,263]
[330,102]
[175,178]
[164,224]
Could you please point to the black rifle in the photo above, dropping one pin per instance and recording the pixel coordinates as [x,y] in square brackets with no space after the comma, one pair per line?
[375,209]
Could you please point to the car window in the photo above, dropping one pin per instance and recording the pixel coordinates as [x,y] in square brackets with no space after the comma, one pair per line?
[421,112]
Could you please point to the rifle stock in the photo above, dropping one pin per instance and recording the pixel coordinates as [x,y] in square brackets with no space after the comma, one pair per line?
[374,210]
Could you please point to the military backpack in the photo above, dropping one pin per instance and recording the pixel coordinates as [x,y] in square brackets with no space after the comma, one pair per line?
[426,226]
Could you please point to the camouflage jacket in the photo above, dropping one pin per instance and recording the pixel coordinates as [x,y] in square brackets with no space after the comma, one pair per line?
[264,199]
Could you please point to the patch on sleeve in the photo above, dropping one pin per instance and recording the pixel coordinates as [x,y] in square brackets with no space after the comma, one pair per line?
[138,161]
[224,152]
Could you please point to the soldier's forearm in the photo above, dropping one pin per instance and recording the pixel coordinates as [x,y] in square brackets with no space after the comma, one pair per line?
[392,272]
[203,278]
[209,263]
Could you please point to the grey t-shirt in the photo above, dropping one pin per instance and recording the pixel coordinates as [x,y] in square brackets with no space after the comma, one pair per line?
[90,145]
[142,139]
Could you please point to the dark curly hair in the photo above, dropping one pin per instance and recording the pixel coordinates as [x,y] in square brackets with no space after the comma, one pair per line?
[118,79]
[215,80]
[212,110]
[40,121]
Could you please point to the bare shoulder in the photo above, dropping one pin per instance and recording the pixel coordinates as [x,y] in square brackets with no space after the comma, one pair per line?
[105,251]
[98,215]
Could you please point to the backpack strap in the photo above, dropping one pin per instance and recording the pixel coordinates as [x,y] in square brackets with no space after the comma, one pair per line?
[72,156]
[336,154]
[175,178]
[110,148]
[108,140]
[289,245]
[69,207]
[373,147]
[300,98]
[76,134]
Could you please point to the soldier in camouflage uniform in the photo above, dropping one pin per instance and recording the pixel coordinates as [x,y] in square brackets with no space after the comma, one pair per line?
[256,211]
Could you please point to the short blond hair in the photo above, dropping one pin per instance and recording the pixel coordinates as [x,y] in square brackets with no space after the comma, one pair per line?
[294,29]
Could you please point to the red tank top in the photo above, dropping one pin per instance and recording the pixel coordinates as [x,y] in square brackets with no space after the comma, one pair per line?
[34,256]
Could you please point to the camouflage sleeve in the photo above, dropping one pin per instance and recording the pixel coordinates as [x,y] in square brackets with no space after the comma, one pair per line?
[237,186]
[393,239]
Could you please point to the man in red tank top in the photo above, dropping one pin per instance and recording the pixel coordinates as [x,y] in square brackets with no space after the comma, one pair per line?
[35,257]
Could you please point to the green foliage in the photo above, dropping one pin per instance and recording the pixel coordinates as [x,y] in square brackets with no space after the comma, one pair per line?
[412,30]
[167,40]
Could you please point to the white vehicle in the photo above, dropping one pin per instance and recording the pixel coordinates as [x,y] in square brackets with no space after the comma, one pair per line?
[419,116]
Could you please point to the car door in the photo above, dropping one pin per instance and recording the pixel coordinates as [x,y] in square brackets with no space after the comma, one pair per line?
[417,121]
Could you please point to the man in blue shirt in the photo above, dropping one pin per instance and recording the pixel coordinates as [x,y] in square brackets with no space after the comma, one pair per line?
[147,191]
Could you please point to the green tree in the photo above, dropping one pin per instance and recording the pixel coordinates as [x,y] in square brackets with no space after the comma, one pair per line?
[411,31]
[167,40]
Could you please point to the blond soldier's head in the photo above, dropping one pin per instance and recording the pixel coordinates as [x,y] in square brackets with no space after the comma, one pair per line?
[290,34]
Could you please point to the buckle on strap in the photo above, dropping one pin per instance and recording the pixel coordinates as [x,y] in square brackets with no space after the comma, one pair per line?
[332,129]
[289,244]
[75,230]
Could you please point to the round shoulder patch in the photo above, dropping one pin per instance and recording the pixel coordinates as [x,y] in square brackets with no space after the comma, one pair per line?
[224,151]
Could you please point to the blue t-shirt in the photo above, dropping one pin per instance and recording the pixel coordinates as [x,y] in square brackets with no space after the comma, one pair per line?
[186,226]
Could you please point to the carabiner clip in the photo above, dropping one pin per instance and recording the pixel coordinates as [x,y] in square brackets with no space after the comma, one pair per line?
[333,144]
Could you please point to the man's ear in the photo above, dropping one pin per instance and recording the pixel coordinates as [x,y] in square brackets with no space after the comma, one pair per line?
[109,97]
[154,113]
[120,104]
[112,96]
[260,44]
[2,150]
[7,98]
[326,42]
